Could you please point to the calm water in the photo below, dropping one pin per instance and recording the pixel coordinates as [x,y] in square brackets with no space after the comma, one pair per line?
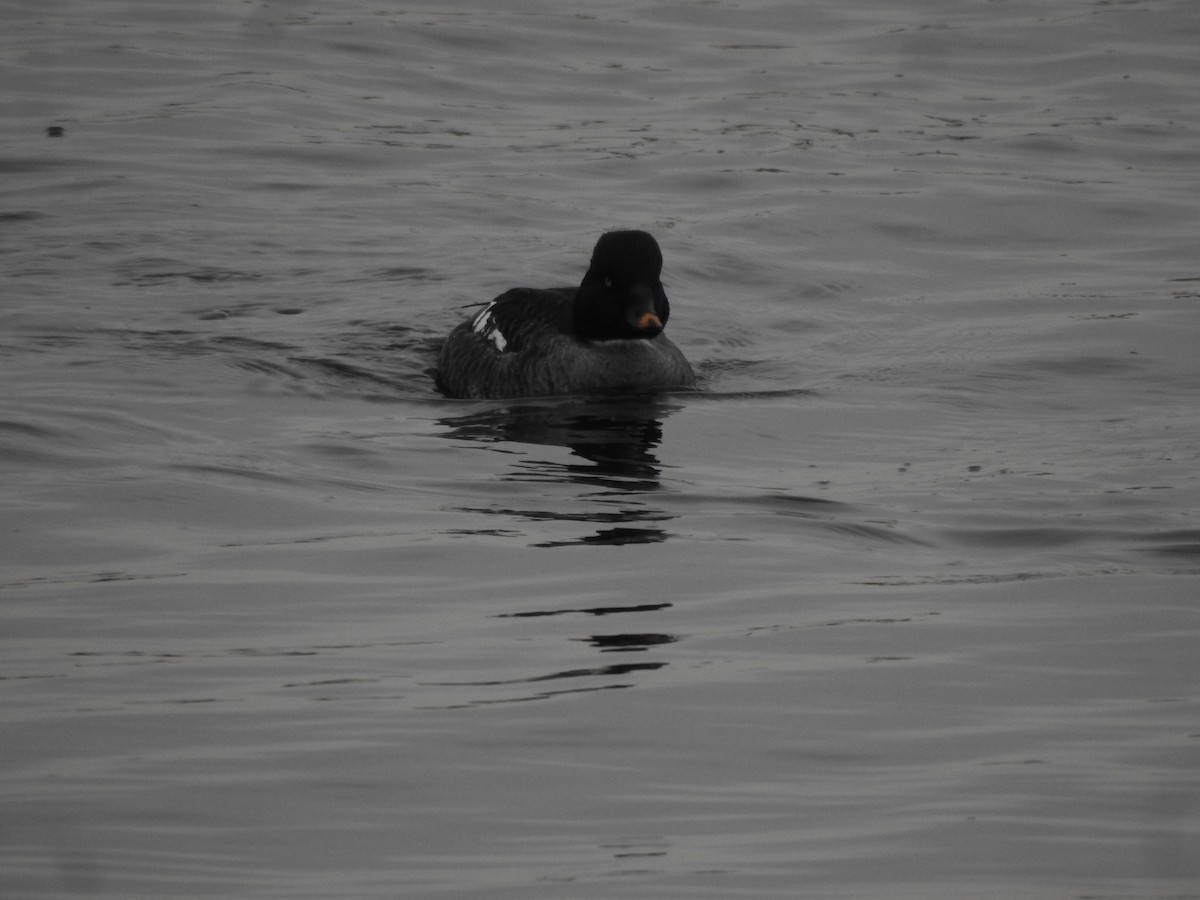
[904,603]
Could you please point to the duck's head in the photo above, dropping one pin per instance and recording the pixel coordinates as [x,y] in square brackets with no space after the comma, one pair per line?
[621,296]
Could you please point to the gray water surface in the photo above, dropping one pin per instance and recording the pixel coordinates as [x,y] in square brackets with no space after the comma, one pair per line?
[902,603]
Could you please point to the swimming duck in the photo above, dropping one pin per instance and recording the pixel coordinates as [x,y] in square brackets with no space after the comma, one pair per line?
[606,334]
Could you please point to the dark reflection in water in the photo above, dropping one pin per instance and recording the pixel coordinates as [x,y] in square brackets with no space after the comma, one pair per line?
[613,536]
[541,695]
[614,435]
[613,470]
[605,643]
[612,438]
[621,643]
[593,611]
[617,669]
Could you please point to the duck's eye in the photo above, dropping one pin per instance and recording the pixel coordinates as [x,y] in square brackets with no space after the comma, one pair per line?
[608,282]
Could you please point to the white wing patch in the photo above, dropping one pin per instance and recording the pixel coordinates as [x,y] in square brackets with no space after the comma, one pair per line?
[486,325]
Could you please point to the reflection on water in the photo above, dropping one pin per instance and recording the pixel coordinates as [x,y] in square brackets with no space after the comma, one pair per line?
[620,643]
[594,611]
[615,435]
[620,669]
[612,439]
[605,643]
[613,537]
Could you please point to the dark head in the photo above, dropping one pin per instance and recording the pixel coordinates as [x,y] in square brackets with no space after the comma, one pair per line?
[621,295]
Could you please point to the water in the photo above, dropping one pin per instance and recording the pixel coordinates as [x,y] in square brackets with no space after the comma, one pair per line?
[902,604]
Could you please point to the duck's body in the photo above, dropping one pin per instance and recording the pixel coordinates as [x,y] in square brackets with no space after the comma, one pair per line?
[604,335]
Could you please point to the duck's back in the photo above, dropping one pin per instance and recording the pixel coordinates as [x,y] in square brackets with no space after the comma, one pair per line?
[524,344]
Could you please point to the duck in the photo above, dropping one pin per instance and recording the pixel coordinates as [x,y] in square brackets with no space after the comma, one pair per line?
[604,335]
